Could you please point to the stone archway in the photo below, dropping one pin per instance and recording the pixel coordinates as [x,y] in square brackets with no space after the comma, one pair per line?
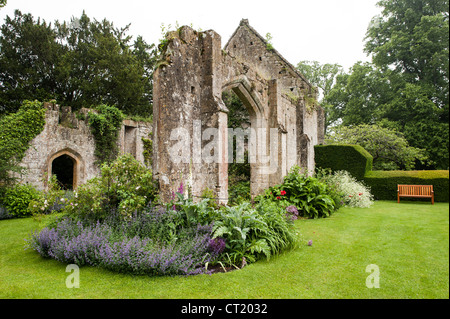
[188,111]
[68,166]
[259,179]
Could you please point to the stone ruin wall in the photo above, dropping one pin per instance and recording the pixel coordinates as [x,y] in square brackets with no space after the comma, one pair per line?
[64,133]
[188,88]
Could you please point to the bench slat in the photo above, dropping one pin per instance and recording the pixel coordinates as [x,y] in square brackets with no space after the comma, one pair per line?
[419,191]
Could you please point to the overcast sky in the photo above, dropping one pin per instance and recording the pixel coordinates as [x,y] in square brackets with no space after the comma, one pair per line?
[328,31]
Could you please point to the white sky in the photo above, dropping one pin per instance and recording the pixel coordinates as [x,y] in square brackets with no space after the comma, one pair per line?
[328,31]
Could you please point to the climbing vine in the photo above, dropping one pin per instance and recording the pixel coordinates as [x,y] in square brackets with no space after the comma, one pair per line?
[17,131]
[148,151]
[105,124]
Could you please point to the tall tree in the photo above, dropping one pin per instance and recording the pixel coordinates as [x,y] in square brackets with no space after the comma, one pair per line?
[323,76]
[407,85]
[28,54]
[412,38]
[81,63]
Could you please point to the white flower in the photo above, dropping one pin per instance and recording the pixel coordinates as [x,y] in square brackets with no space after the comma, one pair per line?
[138,187]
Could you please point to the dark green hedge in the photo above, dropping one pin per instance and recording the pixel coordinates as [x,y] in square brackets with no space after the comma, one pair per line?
[383,184]
[351,158]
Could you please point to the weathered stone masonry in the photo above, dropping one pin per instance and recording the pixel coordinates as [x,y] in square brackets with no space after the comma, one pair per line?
[188,89]
[65,134]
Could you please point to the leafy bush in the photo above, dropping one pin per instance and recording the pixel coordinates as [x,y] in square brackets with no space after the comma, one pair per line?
[50,201]
[309,195]
[253,233]
[124,185]
[16,199]
[238,193]
[388,147]
[347,190]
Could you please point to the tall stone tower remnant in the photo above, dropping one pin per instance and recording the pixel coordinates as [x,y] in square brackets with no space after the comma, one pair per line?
[191,140]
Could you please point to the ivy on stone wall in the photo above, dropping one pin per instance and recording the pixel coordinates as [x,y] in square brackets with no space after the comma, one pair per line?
[148,150]
[105,124]
[17,131]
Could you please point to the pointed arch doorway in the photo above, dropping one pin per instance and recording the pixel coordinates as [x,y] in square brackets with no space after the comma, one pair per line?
[66,166]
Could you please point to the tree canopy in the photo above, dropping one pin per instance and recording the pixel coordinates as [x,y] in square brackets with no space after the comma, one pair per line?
[406,86]
[389,148]
[81,63]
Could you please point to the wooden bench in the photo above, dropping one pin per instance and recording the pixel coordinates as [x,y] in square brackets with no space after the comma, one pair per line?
[415,191]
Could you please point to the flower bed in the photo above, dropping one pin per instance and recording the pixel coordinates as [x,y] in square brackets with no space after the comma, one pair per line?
[109,247]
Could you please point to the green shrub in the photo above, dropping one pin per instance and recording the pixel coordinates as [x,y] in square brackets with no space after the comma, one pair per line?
[52,200]
[351,158]
[310,196]
[253,233]
[238,193]
[124,185]
[346,190]
[383,184]
[17,199]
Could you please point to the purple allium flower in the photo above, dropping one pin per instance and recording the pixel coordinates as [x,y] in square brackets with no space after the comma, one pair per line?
[217,245]
[293,211]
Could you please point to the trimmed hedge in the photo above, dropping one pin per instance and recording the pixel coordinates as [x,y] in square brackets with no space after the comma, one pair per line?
[351,158]
[383,184]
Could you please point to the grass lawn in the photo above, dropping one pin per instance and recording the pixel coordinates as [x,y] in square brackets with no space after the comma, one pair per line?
[409,242]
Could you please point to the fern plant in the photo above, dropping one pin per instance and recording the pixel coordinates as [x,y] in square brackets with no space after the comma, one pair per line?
[242,228]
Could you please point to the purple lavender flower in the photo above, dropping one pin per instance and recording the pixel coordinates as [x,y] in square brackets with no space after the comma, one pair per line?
[112,248]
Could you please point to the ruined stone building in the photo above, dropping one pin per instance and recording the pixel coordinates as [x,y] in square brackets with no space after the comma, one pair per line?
[190,118]
[66,147]
[191,140]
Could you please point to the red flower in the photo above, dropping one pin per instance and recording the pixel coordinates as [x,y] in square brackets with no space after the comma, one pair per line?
[350,196]
[360,194]
[278,197]
[283,193]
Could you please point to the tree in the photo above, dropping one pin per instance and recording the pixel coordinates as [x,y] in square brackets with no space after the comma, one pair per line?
[2,3]
[28,54]
[389,148]
[82,63]
[406,86]
[412,37]
[359,97]
[323,76]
